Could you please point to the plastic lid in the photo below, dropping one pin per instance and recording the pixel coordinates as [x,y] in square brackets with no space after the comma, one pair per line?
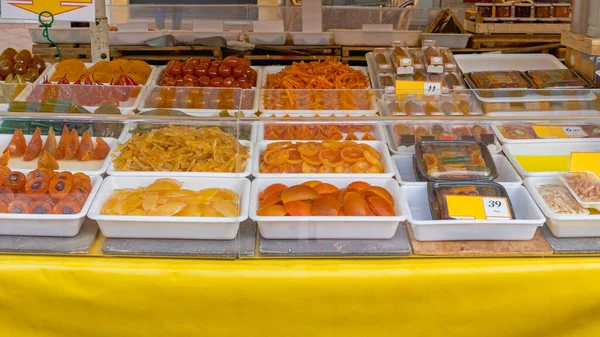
[438,190]
[560,78]
[560,200]
[498,80]
[456,160]
[584,186]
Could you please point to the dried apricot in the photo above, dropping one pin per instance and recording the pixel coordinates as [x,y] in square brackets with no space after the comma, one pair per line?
[274,210]
[359,185]
[325,206]
[325,188]
[298,208]
[298,192]
[311,183]
[355,205]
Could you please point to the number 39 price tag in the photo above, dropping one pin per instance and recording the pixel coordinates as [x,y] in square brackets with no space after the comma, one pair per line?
[496,208]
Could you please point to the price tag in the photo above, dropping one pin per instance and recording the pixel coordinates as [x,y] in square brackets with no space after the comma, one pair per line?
[585,161]
[418,88]
[463,207]
[559,131]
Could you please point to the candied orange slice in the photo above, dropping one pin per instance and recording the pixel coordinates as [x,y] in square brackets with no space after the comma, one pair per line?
[272,199]
[276,157]
[308,168]
[312,160]
[298,208]
[50,145]
[343,169]
[47,161]
[381,192]
[351,136]
[5,158]
[430,160]
[168,209]
[331,144]
[359,185]
[308,149]
[367,136]
[150,201]
[34,148]
[17,145]
[379,206]
[164,184]
[298,193]
[86,147]
[331,157]
[371,158]
[279,145]
[311,183]
[325,206]
[355,205]
[360,167]
[101,150]
[375,169]
[325,169]
[352,154]
[295,157]
[226,208]
[271,189]
[61,148]
[370,149]
[192,210]
[274,210]
[325,188]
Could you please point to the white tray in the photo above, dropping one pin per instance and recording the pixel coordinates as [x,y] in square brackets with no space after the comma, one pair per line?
[311,39]
[528,219]
[188,36]
[328,227]
[543,149]
[143,106]
[405,173]
[373,107]
[377,132]
[448,40]
[61,35]
[131,106]
[90,167]
[170,227]
[267,38]
[561,225]
[133,38]
[377,145]
[359,37]
[247,170]
[505,140]
[469,63]
[48,224]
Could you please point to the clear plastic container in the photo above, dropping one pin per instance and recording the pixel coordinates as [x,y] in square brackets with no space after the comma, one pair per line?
[525,132]
[527,219]
[382,60]
[584,186]
[498,80]
[559,200]
[456,160]
[564,78]
[438,191]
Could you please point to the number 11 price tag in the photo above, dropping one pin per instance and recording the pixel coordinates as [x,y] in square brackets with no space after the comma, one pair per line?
[432,88]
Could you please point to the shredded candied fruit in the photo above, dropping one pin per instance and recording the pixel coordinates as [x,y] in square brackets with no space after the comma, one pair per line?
[182,149]
[165,197]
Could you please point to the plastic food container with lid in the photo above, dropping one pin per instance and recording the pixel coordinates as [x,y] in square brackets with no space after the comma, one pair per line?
[584,186]
[526,132]
[527,219]
[437,192]
[456,160]
[565,217]
[557,78]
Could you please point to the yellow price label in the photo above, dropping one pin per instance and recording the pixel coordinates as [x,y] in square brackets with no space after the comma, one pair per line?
[585,161]
[559,131]
[466,207]
[418,88]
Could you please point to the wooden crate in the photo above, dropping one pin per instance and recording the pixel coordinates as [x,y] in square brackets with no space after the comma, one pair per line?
[582,43]
[48,52]
[474,23]
[584,63]
[286,54]
[510,42]
[164,54]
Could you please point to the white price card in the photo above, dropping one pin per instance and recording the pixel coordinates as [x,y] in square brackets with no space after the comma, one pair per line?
[432,88]
[574,131]
[496,208]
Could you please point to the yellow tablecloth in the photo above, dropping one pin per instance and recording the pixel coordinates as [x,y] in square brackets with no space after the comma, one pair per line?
[100,296]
